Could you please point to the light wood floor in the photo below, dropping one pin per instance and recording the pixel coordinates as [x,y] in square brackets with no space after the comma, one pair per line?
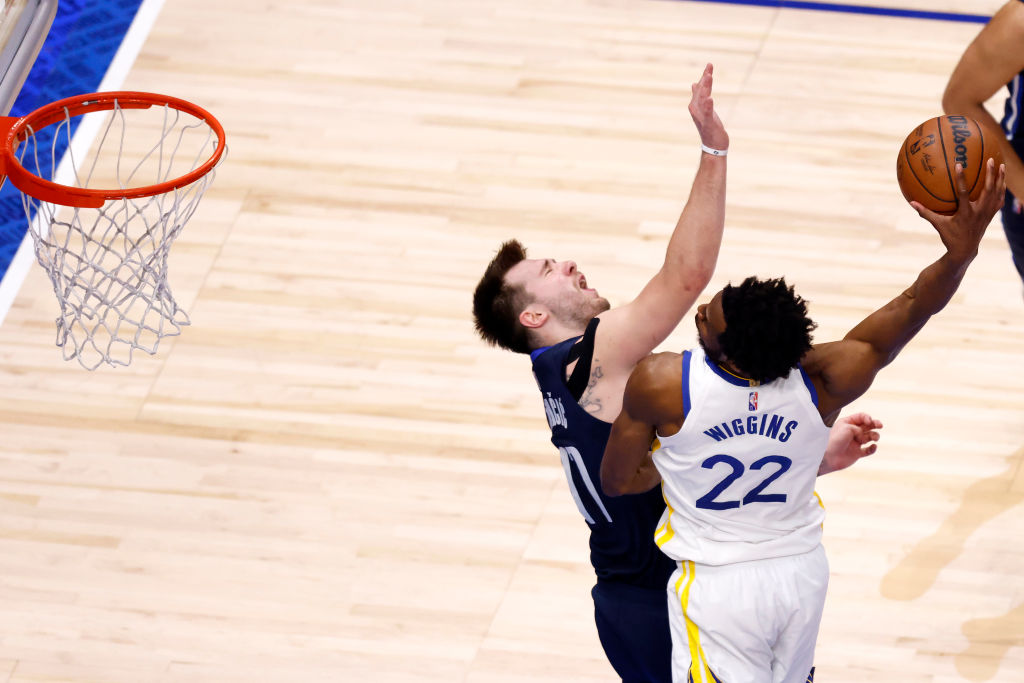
[328,478]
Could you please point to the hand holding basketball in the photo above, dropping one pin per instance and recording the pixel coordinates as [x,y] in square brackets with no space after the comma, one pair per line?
[961,232]
[928,157]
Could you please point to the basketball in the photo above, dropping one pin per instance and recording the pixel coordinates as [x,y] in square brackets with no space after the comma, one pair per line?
[927,161]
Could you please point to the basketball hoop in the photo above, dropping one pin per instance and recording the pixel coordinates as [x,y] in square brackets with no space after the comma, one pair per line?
[103,229]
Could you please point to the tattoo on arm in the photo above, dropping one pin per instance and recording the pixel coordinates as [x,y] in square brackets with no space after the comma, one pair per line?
[589,402]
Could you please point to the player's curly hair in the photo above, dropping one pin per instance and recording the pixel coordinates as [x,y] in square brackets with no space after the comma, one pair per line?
[767,330]
[497,304]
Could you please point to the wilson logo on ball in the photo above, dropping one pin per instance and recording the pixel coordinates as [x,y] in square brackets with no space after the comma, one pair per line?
[925,167]
[961,132]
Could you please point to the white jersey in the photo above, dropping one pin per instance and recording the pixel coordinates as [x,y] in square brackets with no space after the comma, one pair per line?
[738,478]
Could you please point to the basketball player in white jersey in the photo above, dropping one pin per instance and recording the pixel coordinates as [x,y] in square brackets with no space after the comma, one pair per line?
[547,309]
[741,425]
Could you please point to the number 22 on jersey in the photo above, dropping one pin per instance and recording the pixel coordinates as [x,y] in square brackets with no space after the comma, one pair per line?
[774,466]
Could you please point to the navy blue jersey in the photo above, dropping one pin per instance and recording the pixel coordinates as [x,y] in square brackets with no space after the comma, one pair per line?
[621,529]
[1012,114]
[1013,208]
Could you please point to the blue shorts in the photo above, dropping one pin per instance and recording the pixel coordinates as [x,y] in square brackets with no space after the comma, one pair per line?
[632,623]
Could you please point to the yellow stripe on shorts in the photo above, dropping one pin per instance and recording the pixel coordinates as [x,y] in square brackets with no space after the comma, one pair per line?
[700,672]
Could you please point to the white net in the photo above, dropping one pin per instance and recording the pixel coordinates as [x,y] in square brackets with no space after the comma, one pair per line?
[109,266]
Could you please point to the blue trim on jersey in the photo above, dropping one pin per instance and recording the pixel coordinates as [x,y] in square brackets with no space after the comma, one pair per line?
[810,384]
[726,375]
[686,383]
[537,352]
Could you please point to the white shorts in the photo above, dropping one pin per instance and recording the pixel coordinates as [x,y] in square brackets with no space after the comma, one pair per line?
[750,622]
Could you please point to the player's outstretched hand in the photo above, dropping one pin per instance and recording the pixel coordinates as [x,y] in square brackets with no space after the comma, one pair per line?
[962,232]
[852,438]
[702,109]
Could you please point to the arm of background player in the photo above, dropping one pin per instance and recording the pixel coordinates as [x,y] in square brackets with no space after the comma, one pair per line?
[632,331]
[991,61]
[845,369]
[653,397]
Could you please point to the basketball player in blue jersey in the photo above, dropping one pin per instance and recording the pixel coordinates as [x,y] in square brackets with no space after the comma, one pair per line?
[993,59]
[546,308]
[741,424]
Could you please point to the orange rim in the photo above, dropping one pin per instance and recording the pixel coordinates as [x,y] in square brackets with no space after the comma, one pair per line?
[14,130]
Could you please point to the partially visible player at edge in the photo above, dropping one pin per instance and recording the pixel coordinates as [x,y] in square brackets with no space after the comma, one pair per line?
[993,59]
[742,424]
[545,308]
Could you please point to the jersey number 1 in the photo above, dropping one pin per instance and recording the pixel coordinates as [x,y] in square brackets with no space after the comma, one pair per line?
[571,454]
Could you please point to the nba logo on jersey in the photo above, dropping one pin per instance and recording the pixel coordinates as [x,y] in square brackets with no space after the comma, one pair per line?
[752,401]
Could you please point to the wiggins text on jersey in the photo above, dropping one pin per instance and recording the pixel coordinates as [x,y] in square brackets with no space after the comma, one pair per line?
[770,426]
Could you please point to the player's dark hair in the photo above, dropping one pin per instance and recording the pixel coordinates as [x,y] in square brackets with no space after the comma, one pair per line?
[767,330]
[497,304]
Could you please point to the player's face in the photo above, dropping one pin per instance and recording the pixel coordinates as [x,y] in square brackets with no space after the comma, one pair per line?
[559,287]
[710,320]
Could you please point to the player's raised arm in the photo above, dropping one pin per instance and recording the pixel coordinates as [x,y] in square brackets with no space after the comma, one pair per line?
[632,331]
[845,369]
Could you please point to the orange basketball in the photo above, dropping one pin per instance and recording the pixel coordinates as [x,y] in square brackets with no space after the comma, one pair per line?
[928,157]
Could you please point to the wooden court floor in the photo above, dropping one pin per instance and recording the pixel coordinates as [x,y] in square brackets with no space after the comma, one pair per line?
[328,478]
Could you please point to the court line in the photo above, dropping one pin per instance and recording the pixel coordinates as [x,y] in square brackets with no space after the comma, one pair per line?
[120,65]
[857,9]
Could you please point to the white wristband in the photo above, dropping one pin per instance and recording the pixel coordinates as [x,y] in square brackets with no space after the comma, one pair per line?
[712,151]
